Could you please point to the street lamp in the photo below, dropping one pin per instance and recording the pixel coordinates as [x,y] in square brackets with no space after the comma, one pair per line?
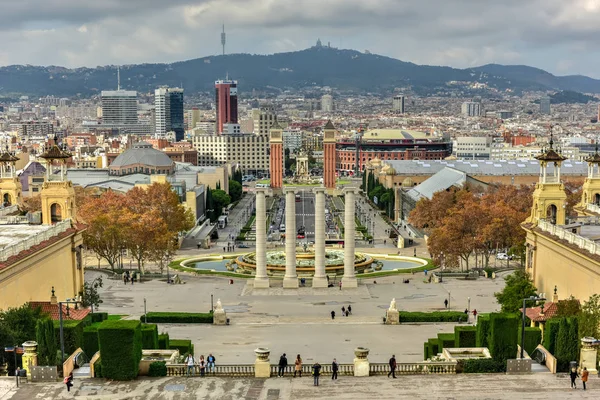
[530,298]
[60,320]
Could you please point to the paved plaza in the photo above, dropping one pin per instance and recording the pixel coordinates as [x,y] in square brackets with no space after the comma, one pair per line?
[472,386]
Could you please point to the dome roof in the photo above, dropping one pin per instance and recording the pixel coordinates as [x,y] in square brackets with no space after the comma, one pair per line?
[142,153]
[390,171]
[408,182]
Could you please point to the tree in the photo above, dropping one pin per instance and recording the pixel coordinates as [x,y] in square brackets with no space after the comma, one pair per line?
[210,206]
[90,296]
[237,176]
[20,323]
[518,287]
[46,339]
[363,186]
[32,204]
[220,200]
[429,213]
[573,191]
[589,319]
[568,307]
[235,190]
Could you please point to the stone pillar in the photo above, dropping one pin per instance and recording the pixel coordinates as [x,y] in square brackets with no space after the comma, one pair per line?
[587,355]
[261,280]
[262,365]
[361,362]
[320,279]
[349,279]
[290,280]
[29,356]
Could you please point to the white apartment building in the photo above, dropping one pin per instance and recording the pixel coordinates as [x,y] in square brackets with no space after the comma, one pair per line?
[471,109]
[292,139]
[507,152]
[263,119]
[327,103]
[472,148]
[162,111]
[399,104]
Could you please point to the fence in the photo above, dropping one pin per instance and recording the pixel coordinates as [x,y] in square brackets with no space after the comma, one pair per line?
[573,238]
[220,370]
[419,368]
[26,244]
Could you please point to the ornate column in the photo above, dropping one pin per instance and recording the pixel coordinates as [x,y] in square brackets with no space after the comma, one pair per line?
[290,280]
[261,280]
[320,279]
[349,279]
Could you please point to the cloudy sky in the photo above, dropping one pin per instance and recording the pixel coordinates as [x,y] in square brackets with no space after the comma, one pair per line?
[560,36]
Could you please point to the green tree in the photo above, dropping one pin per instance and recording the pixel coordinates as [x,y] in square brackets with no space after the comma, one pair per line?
[589,319]
[219,185]
[237,175]
[210,204]
[363,186]
[235,190]
[46,339]
[220,199]
[568,307]
[518,287]
[90,296]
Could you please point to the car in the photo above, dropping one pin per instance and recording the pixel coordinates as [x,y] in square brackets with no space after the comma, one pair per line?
[243,246]
[503,256]
[300,237]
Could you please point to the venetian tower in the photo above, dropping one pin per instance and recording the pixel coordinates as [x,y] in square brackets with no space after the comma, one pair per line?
[58,195]
[329,157]
[591,186]
[276,156]
[10,186]
[549,197]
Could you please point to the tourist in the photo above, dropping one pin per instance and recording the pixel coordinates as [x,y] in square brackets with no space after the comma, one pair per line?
[202,365]
[132,278]
[349,309]
[334,369]
[223,249]
[298,366]
[125,278]
[574,375]
[584,377]
[392,367]
[347,313]
[316,373]
[211,363]
[343,310]
[69,381]
[474,314]
[282,365]
[415,252]
[332,314]
[340,285]
[190,364]
[446,303]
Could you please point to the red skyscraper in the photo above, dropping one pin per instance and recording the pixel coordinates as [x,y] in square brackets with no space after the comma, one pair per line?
[226,104]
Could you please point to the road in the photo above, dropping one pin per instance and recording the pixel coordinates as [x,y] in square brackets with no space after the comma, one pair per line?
[305,214]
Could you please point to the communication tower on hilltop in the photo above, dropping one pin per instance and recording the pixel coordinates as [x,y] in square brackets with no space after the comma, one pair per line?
[223,39]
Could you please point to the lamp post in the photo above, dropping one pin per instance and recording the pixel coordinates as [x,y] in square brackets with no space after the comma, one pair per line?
[469,303]
[60,319]
[530,298]
[145,313]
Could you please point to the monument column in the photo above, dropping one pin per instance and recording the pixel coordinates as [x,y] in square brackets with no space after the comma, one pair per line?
[349,279]
[320,279]
[261,280]
[290,280]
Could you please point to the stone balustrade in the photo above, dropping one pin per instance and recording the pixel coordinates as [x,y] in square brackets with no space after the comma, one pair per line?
[13,220]
[572,238]
[16,248]
[418,368]
[8,210]
[220,370]
[593,208]
[343,369]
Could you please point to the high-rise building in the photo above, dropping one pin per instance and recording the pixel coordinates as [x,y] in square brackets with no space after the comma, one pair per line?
[545,105]
[119,107]
[471,109]
[168,106]
[327,103]
[193,117]
[225,103]
[263,119]
[398,104]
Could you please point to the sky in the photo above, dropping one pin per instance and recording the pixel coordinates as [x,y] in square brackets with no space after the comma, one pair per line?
[559,36]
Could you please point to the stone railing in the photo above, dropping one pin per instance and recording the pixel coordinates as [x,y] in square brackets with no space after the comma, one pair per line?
[69,364]
[8,210]
[220,370]
[343,369]
[593,208]
[572,238]
[95,358]
[418,368]
[13,220]
[14,249]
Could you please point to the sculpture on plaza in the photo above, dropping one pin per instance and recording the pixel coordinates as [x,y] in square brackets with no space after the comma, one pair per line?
[393,305]
[219,306]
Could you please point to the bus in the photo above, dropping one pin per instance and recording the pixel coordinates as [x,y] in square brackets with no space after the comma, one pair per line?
[222,221]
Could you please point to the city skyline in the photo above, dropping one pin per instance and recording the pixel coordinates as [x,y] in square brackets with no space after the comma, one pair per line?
[553,35]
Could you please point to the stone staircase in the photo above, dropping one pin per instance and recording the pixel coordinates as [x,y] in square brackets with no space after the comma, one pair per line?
[82,372]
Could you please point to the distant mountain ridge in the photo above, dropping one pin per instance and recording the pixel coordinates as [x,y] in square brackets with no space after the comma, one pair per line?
[316,66]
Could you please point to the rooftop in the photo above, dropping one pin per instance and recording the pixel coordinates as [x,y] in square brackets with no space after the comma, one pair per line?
[393,134]
[12,234]
[142,153]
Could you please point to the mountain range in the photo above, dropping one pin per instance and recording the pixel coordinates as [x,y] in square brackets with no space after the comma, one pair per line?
[348,70]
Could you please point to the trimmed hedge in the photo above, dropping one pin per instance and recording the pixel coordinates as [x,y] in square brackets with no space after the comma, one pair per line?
[533,337]
[121,349]
[183,345]
[90,340]
[72,335]
[434,347]
[567,343]
[435,316]
[446,340]
[425,351]
[483,365]
[550,334]
[483,330]
[163,341]
[149,336]
[503,336]
[465,336]
[98,316]
[158,368]
[98,369]
[178,318]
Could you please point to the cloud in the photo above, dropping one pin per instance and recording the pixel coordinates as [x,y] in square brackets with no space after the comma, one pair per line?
[459,33]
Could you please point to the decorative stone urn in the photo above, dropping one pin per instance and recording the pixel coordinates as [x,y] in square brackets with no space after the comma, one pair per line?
[587,354]
[262,353]
[361,363]
[262,365]
[30,356]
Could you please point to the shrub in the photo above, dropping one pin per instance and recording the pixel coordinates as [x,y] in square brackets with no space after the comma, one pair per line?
[90,340]
[184,346]
[98,369]
[483,365]
[436,316]
[434,347]
[47,346]
[121,349]
[158,368]
[483,330]
[503,336]
[163,341]
[446,340]
[149,336]
[550,334]
[465,336]
[72,335]
[178,318]
[425,350]
[98,316]
[533,337]
[567,343]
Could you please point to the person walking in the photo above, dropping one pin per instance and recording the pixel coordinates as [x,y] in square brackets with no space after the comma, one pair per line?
[69,381]
[282,365]
[445,303]
[343,310]
[332,314]
[475,314]
[574,375]
[584,377]
[125,278]
[340,285]
[316,373]
[334,369]
[190,364]
[349,309]
[210,362]
[392,367]
[298,366]
[347,313]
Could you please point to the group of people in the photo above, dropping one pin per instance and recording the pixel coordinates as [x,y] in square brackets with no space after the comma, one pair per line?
[204,365]
[584,377]
[316,368]
[345,311]
[128,277]
[230,247]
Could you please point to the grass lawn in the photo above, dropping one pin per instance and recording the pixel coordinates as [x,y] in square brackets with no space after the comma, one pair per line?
[113,317]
